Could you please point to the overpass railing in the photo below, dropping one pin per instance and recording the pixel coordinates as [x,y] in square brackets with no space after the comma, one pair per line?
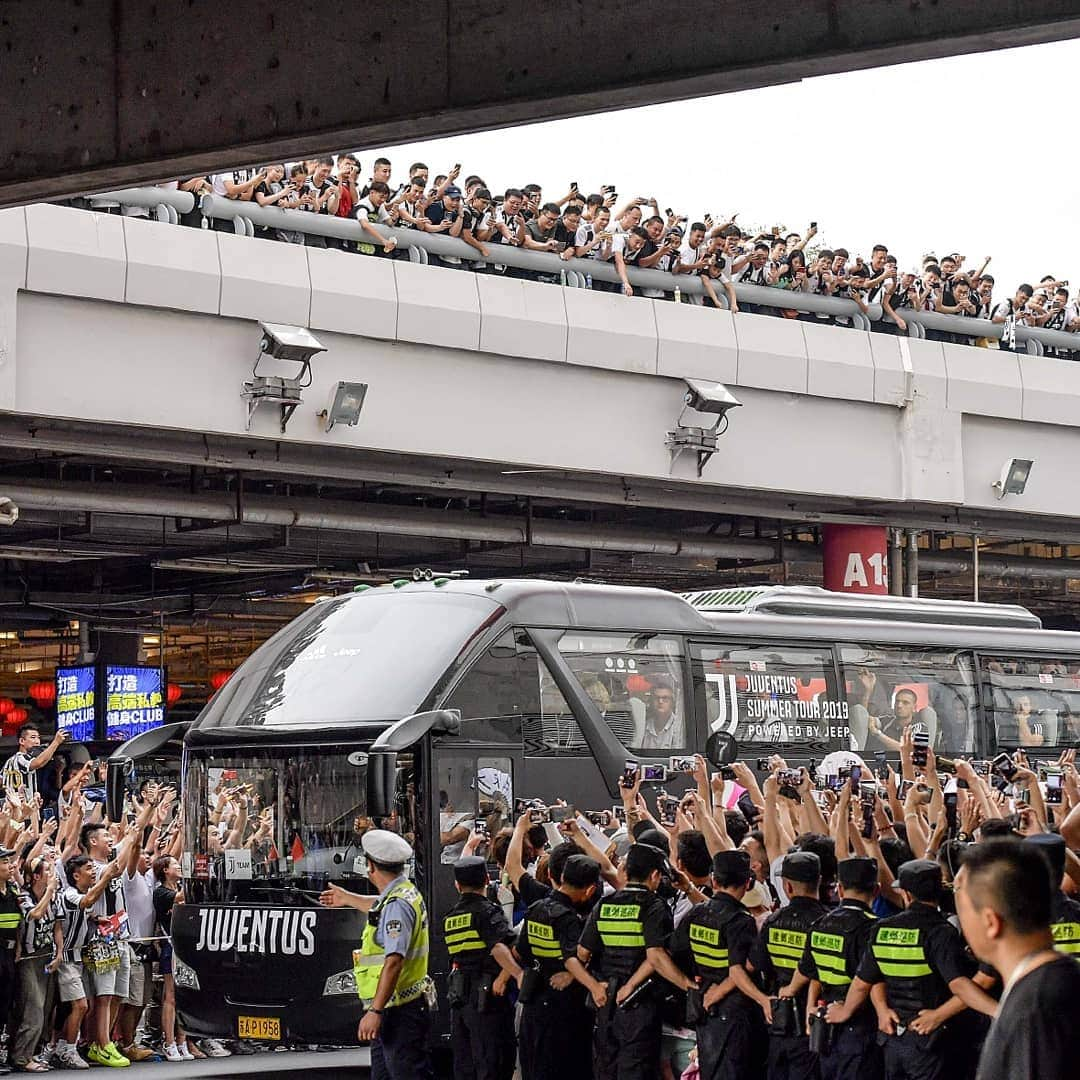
[574,273]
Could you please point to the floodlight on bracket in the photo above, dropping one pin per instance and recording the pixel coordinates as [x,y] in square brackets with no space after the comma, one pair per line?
[281,342]
[713,399]
[1014,477]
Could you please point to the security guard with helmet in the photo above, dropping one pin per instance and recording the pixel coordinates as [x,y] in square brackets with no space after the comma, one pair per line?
[624,945]
[712,945]
[776,955]
[838,941]
[478,939]
[1064,912]
[555,983]
[919,957]
[391,965]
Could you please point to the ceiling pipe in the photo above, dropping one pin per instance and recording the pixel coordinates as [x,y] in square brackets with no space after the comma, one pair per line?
[256,509]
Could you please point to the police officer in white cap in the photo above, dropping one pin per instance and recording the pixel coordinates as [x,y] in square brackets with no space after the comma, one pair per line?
[391,964]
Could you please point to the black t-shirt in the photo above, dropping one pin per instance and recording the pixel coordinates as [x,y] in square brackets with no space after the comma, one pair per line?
[1036,1033]
[622,927]
[473,927]
[530,890]
[164,898]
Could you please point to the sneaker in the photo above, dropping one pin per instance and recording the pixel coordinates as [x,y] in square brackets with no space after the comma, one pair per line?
[137,1053]
[107,1055]
[213,1048]
[172,1054]
[67,1057]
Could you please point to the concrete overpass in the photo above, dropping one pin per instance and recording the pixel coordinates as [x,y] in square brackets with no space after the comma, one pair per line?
[105,93]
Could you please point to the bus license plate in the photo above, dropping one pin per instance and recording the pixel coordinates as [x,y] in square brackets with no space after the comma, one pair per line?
[267,1028]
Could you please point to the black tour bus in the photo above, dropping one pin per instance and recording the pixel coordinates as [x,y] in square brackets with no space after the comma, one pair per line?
[424,706]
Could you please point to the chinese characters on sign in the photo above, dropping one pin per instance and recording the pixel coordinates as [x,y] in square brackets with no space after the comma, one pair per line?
[134,701]
[75,702]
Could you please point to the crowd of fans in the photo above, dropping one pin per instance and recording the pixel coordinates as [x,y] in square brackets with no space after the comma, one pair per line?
[605,227]
[795,852]
[85,905]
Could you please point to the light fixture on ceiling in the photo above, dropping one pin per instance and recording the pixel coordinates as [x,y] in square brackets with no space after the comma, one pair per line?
[281,342]
[713,399]
[1014,477]
[345,405]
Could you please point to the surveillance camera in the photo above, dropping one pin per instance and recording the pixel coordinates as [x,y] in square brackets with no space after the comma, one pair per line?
[289,342]
[709,397]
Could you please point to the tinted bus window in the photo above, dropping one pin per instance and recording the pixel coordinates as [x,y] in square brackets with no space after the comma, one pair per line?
[773,694]
[636,681]
[500,692]
[890,689]
[1032,702]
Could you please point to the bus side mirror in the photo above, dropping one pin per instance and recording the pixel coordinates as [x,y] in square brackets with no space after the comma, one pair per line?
[381,778]
[114,787]
[382,758]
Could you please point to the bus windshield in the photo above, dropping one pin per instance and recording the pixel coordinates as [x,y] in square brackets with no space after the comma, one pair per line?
[262,823]
[371,656]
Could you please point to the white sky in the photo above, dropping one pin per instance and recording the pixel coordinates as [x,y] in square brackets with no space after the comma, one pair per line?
[893,155]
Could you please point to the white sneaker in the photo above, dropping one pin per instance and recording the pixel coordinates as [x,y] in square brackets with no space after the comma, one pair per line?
[172,1053]
[185,1053]
[68,1057]
[213,1048]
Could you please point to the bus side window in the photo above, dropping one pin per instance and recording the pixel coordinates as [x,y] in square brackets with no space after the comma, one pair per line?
[476,800]
[498,693]
[1032,702]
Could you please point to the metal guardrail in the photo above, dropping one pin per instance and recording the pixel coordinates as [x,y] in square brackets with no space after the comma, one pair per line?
[575,273]
[167,203]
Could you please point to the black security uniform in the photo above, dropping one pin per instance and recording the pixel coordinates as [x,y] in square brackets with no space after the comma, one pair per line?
[618,933]
[481,1022]
[776,954]
[836,946]
[916,954]
[10,917]
[713,938]
[552,1018]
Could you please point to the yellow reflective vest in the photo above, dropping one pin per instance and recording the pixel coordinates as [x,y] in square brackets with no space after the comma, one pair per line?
[369,959]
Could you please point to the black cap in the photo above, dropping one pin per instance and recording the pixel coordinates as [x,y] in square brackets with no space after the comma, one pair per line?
[471,871]
[859,873]
[579,872]
[921,878]
[6,852]
[652,837]
[655,858]
[803,866]
[731,867]
[1053,847]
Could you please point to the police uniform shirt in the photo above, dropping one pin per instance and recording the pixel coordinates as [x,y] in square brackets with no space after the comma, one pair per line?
[397,920]
[473,927]
[10,917]
[916,954]
[622,927]
[782,942]
[715,936]
[550,933]
[836,946]
[1065,924]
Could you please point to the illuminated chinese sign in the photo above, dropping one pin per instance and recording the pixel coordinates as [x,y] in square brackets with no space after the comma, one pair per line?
[75,702]
[134,701]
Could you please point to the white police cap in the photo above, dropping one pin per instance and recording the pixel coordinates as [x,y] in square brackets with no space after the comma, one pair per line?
[386,847]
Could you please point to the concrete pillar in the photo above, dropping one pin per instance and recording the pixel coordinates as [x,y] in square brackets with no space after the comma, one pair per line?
[855,559]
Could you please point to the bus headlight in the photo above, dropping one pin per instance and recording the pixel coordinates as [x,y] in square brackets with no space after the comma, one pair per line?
[183,975]
[344,982]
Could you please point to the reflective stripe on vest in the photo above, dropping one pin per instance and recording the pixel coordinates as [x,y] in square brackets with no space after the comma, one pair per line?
[541,939]
[461,935]
[1067,938]
[369,959]
[828,953]
[785,947]
[899,953]
[706,949]
[619,926]
[9,920]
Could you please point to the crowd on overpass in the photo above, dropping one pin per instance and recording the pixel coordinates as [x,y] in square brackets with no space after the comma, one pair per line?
[604,226]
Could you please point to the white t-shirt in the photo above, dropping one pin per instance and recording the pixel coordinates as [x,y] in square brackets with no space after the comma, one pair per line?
[139,892]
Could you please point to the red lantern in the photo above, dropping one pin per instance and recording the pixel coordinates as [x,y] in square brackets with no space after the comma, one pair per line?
[6,705]
[173,693]
[17,716]
[637,684]
[43,693]
[219,679]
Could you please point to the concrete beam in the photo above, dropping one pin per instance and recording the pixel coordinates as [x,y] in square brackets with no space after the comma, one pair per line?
[101,94]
